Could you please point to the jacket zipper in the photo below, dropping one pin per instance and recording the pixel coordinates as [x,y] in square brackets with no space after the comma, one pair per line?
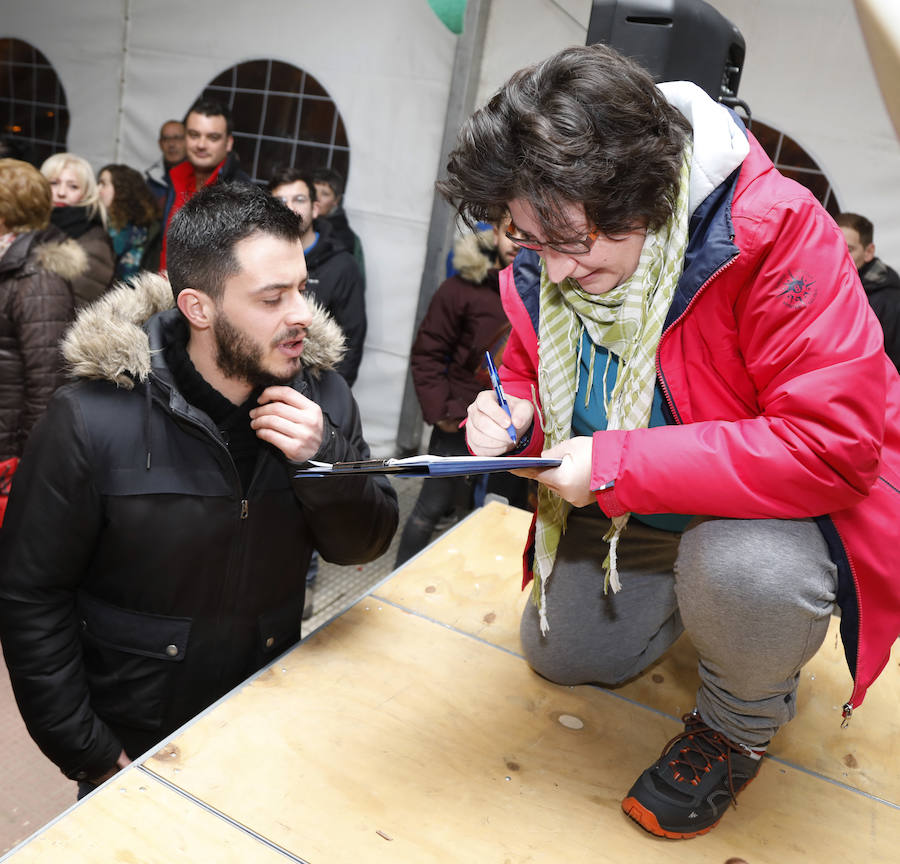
[700,291]
[847,707]
[223,447]
[236,551]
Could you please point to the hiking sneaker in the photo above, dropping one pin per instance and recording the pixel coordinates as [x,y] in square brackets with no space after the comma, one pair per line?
[687,790]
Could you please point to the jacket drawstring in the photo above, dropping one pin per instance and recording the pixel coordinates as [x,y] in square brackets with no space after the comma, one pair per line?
[149,406]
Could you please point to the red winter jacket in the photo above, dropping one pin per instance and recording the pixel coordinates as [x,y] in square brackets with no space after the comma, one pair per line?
[785,403]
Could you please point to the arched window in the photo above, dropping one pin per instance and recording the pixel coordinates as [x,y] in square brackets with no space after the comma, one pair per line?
[33,109]
[282,116]
[794,162]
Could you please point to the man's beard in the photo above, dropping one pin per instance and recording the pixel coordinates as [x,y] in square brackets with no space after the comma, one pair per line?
[238,356]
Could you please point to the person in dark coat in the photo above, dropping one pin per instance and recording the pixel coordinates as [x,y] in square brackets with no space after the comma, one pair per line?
[172,151]
[330,195]
[464,319]
[335,279]
[155,549]
[881,283]
[37,265]
[78,212]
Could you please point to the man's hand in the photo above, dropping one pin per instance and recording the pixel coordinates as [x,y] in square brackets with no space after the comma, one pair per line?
[121,762]
[486,431]
[289,421]
[572,479]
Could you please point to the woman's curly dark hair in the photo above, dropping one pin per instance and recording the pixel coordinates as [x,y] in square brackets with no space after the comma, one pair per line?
[133,201]
[585,126]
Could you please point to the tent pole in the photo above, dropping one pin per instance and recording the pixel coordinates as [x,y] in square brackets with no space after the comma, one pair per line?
[460,104]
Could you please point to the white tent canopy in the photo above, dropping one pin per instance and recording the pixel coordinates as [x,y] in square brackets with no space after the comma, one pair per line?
[127,66]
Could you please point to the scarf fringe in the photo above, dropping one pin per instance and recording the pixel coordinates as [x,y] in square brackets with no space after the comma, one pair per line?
[611,565]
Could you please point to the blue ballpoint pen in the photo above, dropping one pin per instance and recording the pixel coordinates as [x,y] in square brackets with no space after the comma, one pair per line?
[495,380]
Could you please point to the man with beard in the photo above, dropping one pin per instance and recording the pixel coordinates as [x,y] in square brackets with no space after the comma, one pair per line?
[335,279]
[157,539]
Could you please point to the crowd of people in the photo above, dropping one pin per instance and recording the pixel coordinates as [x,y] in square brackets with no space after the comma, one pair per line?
[117,220]
[687,330]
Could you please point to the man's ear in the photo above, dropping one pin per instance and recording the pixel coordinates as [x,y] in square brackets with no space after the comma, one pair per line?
[197,307]
[869,253]
[230,144]
[315,210]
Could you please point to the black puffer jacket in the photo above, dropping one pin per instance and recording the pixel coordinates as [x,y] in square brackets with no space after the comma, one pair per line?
[35,308]
[137,582]
[347,237]
[335,281]
[882,286]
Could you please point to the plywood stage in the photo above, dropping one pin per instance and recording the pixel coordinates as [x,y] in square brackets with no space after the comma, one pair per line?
[411,730]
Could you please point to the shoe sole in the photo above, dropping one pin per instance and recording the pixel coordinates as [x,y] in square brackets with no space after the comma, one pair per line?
[647,820]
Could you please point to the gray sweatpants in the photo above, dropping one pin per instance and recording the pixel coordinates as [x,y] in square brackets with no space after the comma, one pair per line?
[754,596]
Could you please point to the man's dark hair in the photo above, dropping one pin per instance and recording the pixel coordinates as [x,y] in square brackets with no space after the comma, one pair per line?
[585,126]
[333,178]
[203,233]
[211,108]
[859,224]
[283,176]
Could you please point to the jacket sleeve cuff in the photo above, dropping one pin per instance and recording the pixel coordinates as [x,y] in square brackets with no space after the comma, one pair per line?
[326,451]
[606,457]
[609,504]
[101,759]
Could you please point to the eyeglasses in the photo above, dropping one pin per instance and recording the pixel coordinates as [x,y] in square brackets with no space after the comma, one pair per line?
[297,199]
[570,247]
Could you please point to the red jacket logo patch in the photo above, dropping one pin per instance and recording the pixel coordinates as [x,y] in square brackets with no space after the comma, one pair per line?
[799,291]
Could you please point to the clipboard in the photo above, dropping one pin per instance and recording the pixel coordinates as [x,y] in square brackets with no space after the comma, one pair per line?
[426,466]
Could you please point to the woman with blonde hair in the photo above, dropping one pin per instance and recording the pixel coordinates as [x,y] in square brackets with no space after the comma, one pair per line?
[78,211]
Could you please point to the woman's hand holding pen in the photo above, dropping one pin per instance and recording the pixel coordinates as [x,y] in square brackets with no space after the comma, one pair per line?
[487,427]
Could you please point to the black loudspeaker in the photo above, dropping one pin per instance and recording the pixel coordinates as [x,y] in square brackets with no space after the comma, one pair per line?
[676,40]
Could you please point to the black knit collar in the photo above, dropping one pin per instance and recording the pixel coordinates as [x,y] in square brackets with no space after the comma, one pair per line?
[75,221]
[200,393]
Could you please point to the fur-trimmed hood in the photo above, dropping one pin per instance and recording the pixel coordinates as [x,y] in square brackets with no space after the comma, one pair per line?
[65,258]
[46,249]
[108,340]
[474,255]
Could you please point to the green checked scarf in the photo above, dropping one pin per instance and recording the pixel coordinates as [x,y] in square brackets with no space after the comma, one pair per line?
[628,322]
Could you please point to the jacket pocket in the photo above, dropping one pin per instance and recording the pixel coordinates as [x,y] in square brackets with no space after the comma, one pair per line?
[278,629]
[130,659]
